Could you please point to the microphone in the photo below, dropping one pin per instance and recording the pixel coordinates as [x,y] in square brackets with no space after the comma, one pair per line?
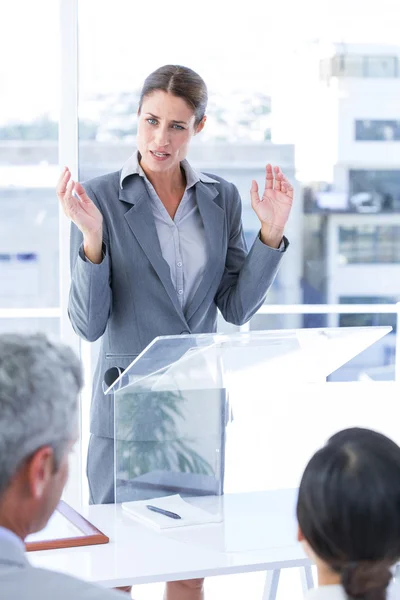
[110,376]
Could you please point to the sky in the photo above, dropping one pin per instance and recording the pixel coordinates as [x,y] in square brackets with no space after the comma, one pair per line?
[245,46]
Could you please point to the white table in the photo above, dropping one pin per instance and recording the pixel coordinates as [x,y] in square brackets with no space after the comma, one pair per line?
[258,534]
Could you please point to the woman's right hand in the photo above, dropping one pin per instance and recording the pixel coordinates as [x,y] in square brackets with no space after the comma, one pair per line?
[80,209]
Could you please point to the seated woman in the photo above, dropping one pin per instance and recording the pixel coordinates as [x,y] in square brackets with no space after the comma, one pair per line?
[348,512]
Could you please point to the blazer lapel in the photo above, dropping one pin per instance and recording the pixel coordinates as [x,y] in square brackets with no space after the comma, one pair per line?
[141,222]
[213,219]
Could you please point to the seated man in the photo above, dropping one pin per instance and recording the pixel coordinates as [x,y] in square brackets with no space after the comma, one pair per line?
[39,387]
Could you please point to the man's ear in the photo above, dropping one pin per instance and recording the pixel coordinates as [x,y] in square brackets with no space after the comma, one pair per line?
[200,126]
[40,469]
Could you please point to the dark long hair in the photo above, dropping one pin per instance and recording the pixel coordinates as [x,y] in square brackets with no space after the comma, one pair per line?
[348,509]
[178,81]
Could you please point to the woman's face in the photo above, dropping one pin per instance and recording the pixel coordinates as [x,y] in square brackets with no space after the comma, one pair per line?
[166,126]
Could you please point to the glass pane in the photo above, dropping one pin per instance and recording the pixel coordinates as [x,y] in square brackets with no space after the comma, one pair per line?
[236,142]
[374,191]
[381,66]
[173,403]
[376,363]
[253,117]
[369,244]
[28,154]
[354,66]
[378,131]
[268,102]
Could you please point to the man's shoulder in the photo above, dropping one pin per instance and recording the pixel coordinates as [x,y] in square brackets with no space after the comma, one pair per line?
[42,584]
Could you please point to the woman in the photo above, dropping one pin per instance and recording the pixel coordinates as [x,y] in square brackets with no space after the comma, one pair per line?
[157,248]
[349,515]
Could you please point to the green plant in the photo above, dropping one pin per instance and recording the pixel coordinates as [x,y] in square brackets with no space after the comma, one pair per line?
[149,438]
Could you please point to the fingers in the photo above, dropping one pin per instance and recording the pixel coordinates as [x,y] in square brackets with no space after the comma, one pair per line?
[70,193]
[80,192]
[255,198]
[269,178]
[287,187]
[278,179]
[68,199]
[62,181]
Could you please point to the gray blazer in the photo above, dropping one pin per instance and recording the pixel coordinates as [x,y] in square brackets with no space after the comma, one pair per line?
[19,580]
[129,298]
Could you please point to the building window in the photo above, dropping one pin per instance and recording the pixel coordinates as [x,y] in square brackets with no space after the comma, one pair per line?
[369,244]
[348,65]
[367,319]
[374,130]
[368,66]
[374,190]
[381,66]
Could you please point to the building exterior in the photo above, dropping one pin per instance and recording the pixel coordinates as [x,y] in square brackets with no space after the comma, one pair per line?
[352,223]
[363,241]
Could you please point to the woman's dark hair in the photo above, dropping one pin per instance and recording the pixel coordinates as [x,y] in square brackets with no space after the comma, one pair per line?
[178,81]
[348,509]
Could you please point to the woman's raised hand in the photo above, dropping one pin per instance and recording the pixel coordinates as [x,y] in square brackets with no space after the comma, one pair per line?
[273,208]
[78,207]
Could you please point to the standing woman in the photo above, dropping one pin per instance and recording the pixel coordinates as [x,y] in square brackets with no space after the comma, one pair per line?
[157,248]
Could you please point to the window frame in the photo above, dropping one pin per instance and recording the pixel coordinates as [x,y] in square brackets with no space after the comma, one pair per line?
[68,155]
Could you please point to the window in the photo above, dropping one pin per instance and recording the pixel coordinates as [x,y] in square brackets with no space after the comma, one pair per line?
[29,232]
[381,66]
[378,130]
[374,190]
[348,65]
[367,320]
[364,66]
[369,244]
[235,143]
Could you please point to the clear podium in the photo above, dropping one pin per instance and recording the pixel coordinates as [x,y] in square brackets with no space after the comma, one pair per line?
[177,402]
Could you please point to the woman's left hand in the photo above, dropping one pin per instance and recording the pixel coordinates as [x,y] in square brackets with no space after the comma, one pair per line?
[273,209]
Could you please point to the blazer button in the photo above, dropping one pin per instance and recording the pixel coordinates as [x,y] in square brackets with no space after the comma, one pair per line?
[185,332]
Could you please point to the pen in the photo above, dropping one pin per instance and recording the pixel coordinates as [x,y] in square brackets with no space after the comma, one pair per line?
[167,513]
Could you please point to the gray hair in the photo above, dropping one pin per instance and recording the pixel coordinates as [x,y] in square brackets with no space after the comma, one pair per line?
[39,387]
